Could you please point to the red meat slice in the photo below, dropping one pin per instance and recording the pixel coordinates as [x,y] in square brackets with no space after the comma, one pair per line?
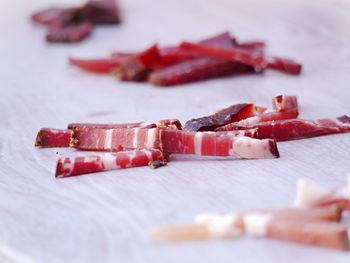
[283,103]
[47,138]
[69,34]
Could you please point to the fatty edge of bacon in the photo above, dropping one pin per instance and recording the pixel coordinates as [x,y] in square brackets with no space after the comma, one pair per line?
[250,148]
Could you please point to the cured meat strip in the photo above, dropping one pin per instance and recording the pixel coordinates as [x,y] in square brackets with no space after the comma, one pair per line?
[255,60]
[138,67]
[67,166]
[71,33]
[284,103]
[195,70]
[312,195]
[230,114]
[157,124]
[47,138]
[293,129]
[311,227]
[115,139]
[218,144]
[102,12]
[264,117]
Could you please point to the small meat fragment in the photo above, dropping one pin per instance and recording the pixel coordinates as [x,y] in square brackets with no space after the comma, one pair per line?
[48,138]
[294,129]
[222,117]
[157,164]
[100,66]
[67,166]
[138,67]
[102,12]
[69,34]
[284,103]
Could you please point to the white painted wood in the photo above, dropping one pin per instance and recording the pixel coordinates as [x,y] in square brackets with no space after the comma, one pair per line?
[102,217]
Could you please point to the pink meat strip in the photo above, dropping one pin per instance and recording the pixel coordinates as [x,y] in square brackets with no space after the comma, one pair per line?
[284,103]
[47,138]
[264,117]
[67,166]
[115,139]
[235,144]
[157,124]
[293,129]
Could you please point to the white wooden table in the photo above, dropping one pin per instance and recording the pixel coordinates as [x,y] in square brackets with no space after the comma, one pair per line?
[102,217]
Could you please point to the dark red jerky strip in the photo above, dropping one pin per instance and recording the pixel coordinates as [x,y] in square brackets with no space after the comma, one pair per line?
[285,65]
[294,129]
[47,138]
[102,11]
[195,70]
[69,34]
[138,67]
[233,113]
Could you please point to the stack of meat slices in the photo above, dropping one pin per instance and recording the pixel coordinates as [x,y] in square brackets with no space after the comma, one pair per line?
[67,25]
[214,57]
[315,221]
[244,131]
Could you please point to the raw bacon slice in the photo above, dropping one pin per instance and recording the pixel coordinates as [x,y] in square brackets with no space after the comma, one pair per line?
[104,162]
[264,117]
[293,129]
[312,195]
[218,144]
[115,139]
[69,34]
[138,67]
[171,123]
[195,70]
[47,138]
[230,114]
[255,60]
[284,103]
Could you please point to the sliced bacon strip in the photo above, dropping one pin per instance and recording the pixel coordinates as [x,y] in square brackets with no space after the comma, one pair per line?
[138,67]
[47,138]
[311,195]
[264,117]
[230,114]
[67,166]
[258,62]
[175,123]
[70,33]
[293,129]
[115,139]
[218,144]
[283,103]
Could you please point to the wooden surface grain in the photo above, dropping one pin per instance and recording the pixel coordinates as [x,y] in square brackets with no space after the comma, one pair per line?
[102,217]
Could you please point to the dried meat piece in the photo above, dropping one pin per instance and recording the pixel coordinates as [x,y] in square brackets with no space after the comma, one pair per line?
[69,34]
[67,166]
[257,61]
[235,144]
[48,138]
[284,103]
[294,129]
[264,117]
[138,67]
[115,139]
[222,117]
[102,12]
[170,123]
[50,17]
[195,70]
[101,66]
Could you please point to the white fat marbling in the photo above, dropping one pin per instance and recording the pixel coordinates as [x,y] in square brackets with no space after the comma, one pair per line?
[220,225]
[151,137]
[109,161]
[256,224]
[198,143]
[108,139]
[245,147]
[135,142]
